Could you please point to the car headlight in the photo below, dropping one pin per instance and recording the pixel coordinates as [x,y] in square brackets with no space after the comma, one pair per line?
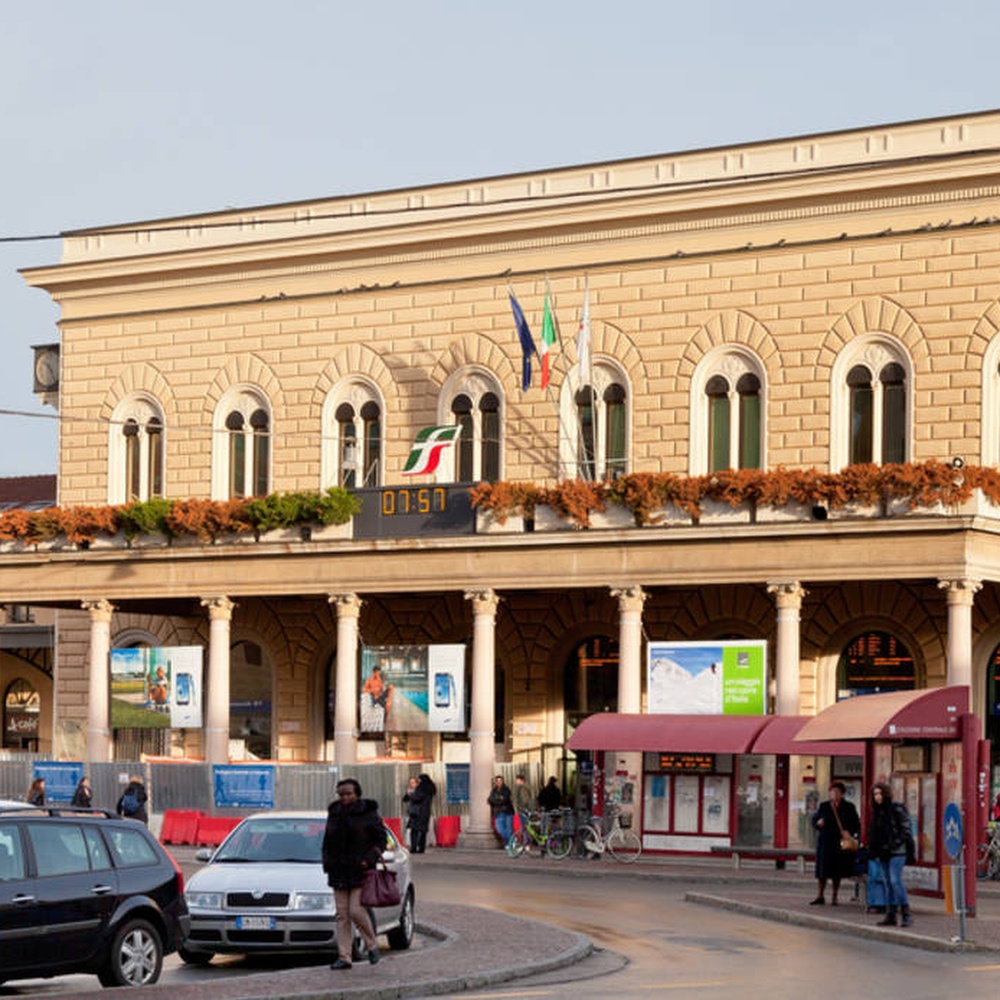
[312,901]
[203,900]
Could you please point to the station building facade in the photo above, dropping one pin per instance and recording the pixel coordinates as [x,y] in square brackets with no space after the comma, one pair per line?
[816,302]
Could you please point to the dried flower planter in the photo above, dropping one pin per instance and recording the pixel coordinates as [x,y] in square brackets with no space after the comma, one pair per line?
[721,512]
[670,516]
[854,512]
[615,518]
[489,523]
[547,520]
[978,505]
[786,513]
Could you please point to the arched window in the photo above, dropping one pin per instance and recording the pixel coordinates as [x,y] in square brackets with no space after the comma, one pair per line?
[990,420]
[594,436]
[136,451]
[251,699]
[473,401]
[871,405]
[874,662]
[242,446]
[727,425]
[352,444]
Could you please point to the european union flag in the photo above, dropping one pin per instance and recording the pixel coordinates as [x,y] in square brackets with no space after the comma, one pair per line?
[527,344]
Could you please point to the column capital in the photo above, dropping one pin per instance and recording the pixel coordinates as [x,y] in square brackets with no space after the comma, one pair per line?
[787,593]
[484,602]
[961,590]
[100,609]
[219,608]
[348,605]
[630,598]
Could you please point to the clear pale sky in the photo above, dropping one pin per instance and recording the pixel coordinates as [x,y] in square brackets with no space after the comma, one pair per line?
[115,111]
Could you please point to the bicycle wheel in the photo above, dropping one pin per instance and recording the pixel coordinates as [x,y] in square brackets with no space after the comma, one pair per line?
[559,844]
[589,841]
[517,844]
[625,845]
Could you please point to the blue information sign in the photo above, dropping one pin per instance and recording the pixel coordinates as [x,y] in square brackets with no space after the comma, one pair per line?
[60,779]
[243,786]
[951,827]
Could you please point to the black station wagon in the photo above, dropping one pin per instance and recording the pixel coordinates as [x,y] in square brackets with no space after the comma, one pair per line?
[85,891]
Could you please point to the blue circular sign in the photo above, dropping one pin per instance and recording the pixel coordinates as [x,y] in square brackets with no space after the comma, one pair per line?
[951,827]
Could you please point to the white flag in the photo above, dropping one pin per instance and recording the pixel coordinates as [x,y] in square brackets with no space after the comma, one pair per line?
[583,339]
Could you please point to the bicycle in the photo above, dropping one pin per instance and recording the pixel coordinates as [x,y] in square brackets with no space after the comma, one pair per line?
[622,843]
[988,855]
[544,830]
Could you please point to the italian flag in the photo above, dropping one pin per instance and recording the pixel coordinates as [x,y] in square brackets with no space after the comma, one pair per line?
[548,340]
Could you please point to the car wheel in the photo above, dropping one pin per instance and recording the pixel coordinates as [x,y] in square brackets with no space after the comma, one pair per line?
[136,956]
[195,957]
[401,937]
[359,950]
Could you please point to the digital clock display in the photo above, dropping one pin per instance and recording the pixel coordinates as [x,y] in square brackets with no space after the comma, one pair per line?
[412,511]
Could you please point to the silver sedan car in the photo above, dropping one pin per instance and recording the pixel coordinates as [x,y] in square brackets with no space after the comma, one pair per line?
[263,890]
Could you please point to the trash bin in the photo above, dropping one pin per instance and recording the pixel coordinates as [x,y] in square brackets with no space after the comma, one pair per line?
[446,830]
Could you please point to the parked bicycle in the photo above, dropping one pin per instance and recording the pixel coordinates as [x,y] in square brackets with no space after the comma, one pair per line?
[547,831]
[988,854]
[622,843]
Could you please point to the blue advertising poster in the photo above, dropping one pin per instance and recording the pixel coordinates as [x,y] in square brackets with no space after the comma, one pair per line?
[61,779]
[457,778]
[243,786]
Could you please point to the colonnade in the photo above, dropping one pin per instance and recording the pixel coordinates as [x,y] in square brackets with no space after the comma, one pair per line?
[788,596]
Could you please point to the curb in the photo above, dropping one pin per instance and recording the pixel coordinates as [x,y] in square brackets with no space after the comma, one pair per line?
[779,915]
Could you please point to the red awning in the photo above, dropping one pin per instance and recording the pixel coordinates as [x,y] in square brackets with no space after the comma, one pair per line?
[668,733]
[931,714]
[778,737]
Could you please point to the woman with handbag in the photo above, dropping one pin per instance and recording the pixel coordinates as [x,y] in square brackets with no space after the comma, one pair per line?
[352,846]
[838,826]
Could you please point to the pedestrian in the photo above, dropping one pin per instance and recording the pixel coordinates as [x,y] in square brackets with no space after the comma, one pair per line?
[418,806]
[36,793]
[523,800]
[550,797]
[888,836]
[353,843]
[132,804]
[995,814]
[501,809]
[835,821]
[83,796]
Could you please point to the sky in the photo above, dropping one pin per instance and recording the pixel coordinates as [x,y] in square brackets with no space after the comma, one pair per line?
[115,111]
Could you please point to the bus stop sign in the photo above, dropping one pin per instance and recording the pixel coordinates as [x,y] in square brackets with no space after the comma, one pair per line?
[951,827]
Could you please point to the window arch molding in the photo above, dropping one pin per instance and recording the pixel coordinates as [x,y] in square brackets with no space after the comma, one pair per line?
[242,431]
[736,373]
[884,359]
[136,450]
[473,398]
[353,438]
[595,422]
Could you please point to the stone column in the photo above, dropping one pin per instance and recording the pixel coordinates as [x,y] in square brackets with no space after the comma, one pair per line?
[481,739]
[345,708]
[220,614]
[961,594]
[788,595]
[630,604]
[99,680]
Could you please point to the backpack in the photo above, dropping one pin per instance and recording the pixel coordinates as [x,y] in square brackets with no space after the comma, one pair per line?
[130,804]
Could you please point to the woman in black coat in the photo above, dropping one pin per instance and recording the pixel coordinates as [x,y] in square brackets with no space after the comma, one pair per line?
[418,808]
[132,804]
[352,845]
[834,818]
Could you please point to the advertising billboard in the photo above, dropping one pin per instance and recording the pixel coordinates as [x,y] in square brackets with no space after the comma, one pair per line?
[718,677]
[156,687]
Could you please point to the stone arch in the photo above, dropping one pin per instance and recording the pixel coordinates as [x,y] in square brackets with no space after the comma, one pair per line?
[139,379]
[736,327]
[875,314]
[251,371]
[475,351]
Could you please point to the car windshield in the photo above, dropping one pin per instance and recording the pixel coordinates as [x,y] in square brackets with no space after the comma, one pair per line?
[297,840]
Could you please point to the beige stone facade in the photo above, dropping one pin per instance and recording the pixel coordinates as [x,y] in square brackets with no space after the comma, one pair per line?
[794,260]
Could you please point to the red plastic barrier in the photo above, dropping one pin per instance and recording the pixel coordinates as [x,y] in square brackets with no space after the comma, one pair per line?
[395,824]
[446,830]
[180,826]
[212,830]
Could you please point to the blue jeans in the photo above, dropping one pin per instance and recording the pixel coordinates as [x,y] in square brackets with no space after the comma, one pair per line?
[892,876]
[504,822]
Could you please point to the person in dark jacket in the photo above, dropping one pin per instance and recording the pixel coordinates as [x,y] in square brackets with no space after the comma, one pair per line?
[888,831]
[36,793]
[550,797]
[353,843]
[132,804]
[83,796]
[501,809]
[832,820]
[418,807]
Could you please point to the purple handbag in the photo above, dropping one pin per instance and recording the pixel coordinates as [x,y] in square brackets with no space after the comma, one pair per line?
[380,888]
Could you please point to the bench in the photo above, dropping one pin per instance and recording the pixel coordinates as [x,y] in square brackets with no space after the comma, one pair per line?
[779,854]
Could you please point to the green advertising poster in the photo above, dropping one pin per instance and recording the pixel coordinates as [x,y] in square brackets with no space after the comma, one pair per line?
[725,677]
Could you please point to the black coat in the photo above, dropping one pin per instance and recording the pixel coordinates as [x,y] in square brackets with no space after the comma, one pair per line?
[140,793]
[353,842]
[831,861]
[500,801]
[888,828]
[418,804]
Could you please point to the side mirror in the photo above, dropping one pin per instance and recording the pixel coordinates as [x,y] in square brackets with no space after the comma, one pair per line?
[204,854]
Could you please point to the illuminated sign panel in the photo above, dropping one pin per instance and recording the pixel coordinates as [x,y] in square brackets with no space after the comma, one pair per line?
[412,511]
[687,763]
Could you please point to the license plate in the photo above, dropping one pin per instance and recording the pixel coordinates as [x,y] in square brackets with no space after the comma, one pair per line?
[255,923]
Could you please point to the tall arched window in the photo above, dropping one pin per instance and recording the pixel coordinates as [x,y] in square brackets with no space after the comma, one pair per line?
[353,418]
[871,404]
[242,446]
[473,401]
[727,412]
[136,451]
[594,436]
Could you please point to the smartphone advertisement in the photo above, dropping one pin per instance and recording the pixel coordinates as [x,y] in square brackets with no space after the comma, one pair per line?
[158,687]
